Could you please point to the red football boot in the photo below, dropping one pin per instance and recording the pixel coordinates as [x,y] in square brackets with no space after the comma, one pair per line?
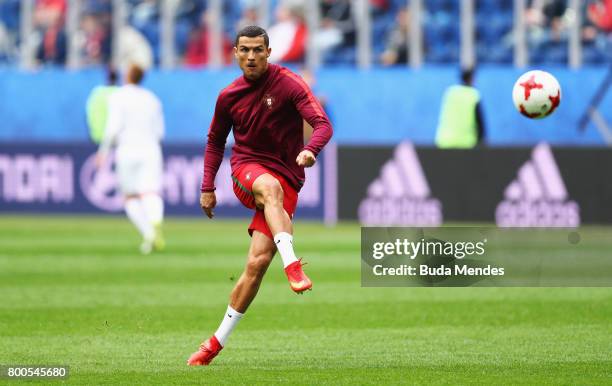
[208,350]
[298,280]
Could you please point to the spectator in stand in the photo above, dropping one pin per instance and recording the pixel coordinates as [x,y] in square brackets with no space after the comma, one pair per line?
[249,14]
[190,10]
[198,47]
[96,29]
[288,34]
[9,30]
[600,13]
[188,14]
[544,20]
[145,13]
[49,20]
[396,49]
[553,13]
[337,25]
[133,48]
[379,7]
[7,46]
[144,16]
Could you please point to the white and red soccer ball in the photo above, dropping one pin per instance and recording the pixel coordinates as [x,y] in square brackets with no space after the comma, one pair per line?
[536,94]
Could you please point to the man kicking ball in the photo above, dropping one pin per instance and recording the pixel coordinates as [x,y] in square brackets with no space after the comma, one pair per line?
[265,108]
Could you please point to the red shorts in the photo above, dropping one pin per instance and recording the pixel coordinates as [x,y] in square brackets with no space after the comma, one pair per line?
[243,178]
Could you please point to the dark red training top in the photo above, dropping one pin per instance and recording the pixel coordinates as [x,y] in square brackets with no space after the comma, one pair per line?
[266,117]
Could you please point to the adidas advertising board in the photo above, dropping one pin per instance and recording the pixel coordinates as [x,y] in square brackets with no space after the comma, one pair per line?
[401,194]
[538,197]
[539,186]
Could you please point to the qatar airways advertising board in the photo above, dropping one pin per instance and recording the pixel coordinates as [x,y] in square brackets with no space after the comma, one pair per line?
[62,178]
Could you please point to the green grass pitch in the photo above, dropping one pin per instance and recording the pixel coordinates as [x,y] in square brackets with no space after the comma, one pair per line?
[75,291]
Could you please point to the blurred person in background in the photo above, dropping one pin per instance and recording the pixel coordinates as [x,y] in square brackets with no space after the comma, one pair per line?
[197,53]
[600,14]
[7,46]
[9,30]
[337,25]
[461,125]
[97,106]
[544,20]
[49,21]
[133,48]
[550,21]
[135,126]
[188,17]
[396,49]
[96,28]
[145,13]
[379,7]
[249,16]
[288,34]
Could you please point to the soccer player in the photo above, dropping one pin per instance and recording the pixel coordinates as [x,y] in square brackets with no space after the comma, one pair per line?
[136,126]
[265,108]
[97,106]
[461,125]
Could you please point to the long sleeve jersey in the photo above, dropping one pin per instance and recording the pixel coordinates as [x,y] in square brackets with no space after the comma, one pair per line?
[135,120]
[266,116]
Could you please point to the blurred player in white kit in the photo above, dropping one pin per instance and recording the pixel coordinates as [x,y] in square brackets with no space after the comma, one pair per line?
[135,126]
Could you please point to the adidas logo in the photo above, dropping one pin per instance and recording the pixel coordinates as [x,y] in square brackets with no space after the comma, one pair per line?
[538,197]
[400,195]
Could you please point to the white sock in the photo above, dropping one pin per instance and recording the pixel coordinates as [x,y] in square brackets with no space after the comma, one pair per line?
[136,213]
[230,320]
[154,206]
[284,244]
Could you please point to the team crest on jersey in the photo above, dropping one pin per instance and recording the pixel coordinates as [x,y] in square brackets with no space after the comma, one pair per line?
[269,101]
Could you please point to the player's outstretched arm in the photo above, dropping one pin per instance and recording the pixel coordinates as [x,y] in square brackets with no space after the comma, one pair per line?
[208,201]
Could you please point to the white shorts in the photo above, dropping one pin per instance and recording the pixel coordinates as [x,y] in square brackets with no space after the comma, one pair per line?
[139,172]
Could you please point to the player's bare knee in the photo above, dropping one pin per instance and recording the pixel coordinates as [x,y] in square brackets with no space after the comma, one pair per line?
[273,193]
[258,264]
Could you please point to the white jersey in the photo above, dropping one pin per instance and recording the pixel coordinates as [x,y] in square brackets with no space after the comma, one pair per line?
[135,125]
[135,121]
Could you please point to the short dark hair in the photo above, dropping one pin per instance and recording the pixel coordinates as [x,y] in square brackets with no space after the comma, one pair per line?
[467,75]
[252,31]
[135,74]
[111,75]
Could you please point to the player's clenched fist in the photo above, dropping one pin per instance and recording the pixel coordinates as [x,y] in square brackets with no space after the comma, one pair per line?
[306,158]
[208,200]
